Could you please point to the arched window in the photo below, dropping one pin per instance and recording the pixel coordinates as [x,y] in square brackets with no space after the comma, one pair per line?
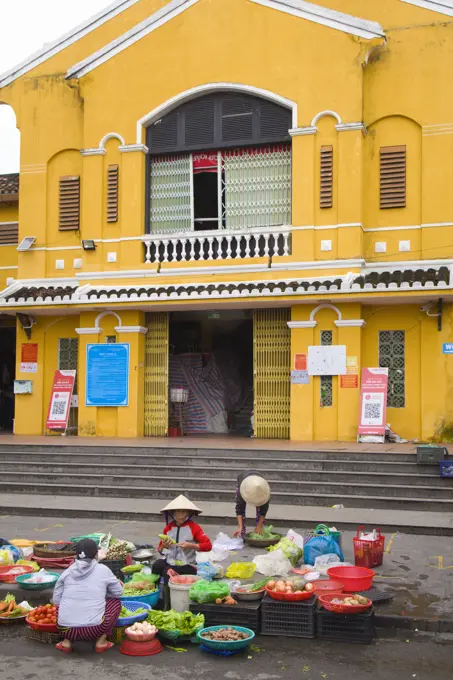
[221,161]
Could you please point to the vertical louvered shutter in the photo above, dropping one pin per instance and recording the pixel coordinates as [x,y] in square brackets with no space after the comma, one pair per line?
[112,193]
[69,203]
[326,185]
[393,177]
[9,233]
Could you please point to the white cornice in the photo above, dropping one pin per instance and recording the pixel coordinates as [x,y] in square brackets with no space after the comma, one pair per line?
[93,152]
[129,148]
[326,17]
[88,331]
[303,131]
[50,49]
[302,324]
[153,22]
[345,127]
[440,6]
[131,329]
[350,323]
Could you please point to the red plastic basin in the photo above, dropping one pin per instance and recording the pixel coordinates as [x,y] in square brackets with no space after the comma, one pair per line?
[354,579]
[328,586]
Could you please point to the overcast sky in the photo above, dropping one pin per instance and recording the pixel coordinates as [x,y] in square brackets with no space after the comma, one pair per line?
[25,26]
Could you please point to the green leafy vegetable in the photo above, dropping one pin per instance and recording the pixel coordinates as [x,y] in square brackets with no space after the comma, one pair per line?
[184,622]
[265,536]
[127,612]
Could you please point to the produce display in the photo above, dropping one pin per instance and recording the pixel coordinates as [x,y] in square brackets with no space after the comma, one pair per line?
[118,550]
[184,622]
[225,635]
[289,548]
[256,587]
[290,587]
[9,609]
[141,631]
[205,592]
[265,536]
[352,601]
[41,576]
[169,539]
[126,613]
[134,588]
[226,600]
[131,569]
[46,614]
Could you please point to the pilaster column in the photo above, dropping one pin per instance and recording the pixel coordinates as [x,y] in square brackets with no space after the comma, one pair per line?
[350,334]
[302,335]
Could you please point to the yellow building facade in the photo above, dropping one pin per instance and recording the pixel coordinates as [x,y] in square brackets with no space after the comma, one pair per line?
[219,185]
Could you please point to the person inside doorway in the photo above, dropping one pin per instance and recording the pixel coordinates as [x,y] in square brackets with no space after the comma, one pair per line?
[251,488]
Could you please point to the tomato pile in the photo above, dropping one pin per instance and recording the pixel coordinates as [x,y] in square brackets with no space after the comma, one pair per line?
[46,614]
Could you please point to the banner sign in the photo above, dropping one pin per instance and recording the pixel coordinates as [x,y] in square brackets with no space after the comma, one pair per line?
[205,162]
[107,382]
[373,401]
[60,400]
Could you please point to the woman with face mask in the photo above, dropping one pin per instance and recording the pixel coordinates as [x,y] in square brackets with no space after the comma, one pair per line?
[87,596]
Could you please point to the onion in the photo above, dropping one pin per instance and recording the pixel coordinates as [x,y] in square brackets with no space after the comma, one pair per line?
[309,587]
[271,584]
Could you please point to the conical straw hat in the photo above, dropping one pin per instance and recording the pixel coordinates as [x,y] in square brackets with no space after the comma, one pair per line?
[255,490]
[181,503]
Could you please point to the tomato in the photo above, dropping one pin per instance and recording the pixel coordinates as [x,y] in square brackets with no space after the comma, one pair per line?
[45,621]
[32,619]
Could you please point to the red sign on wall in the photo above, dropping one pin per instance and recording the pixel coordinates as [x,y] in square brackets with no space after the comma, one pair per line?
[60,400]
[373,401]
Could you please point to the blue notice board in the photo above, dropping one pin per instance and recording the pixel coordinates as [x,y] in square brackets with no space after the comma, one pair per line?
[447,348]
[107,382]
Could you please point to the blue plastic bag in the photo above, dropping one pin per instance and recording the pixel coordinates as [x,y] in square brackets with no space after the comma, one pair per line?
[321,545]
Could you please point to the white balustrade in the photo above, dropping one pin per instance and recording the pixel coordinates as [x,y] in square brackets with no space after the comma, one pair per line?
[217,245]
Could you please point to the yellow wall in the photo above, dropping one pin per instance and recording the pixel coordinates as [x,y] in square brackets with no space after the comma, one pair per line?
[8,253]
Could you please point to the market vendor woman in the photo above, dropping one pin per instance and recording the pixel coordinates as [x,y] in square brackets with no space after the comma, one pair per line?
[251,488]
[183,538]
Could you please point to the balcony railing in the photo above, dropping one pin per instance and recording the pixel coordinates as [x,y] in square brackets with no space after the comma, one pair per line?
[217,245]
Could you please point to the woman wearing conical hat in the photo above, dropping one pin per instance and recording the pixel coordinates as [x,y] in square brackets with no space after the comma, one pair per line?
[183,538]
[251,488]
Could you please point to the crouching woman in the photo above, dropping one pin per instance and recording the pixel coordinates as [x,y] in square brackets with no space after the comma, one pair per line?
[87,596]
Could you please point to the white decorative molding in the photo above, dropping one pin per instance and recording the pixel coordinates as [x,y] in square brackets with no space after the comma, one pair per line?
[380,247]
[326,245]
[107,313]
[112,257]
[88,331]
[194,92]
[52,48]
[326,17]
[323,114]
[77,263]
[350,323]
[303,131]
[345,127]
[93,152]
[59,264]
[156,20]
[131,329]
[111,135]
[130,148]
[302,324]
[437,129]
[439,6]
[325,305]
[9,267]
[404,246]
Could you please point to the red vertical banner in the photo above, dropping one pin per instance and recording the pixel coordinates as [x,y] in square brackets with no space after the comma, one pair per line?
[373,402]
[60,400]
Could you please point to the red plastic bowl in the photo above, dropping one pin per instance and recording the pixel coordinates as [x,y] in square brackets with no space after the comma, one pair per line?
[354,579]
[47,627]
[290,597]
[326,601]
[328,586]
[7,577]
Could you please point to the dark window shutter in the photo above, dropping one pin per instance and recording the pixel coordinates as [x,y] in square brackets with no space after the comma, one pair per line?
[326,185]
[112,193]
[237,118]
[164,133]
[274,120]
[199,122]
[393,177]
[9,233]
[69,203]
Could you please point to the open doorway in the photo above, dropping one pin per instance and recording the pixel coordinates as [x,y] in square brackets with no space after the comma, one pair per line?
[7,375]
[211,355]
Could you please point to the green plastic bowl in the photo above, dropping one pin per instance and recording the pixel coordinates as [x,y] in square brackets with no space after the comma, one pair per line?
[223,644]
[22,581]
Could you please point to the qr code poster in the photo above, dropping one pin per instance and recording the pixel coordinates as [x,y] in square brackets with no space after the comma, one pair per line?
[373,401]
[60,400]
[59,406]
[372,408]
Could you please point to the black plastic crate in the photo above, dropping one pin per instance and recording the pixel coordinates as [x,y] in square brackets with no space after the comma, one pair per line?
[245,614]
[431,455]
[346,627]
[293,619]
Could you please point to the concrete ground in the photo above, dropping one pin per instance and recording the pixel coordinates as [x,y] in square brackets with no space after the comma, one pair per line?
[417,570]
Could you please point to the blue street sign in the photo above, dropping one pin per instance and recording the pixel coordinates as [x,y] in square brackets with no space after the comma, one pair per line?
[447,348]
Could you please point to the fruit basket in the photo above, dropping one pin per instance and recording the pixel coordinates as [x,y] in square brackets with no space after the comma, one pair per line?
[22,581]
[9,574]
[326,602]
[47,612]
[227,645]
[354,579]
[133,606]
[289,597]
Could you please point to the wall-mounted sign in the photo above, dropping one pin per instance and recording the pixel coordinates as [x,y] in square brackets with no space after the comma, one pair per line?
[373,402]
[60,400]
[107,381]
[29,357]
[350,380]
[327,360]
[300,362]
[300,378]
[23,387]
[447,348]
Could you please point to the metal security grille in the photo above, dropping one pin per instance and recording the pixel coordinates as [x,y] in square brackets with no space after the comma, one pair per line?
[326,389]
[156,375]
[271,358]
[171,194]
[256,187]
[68,356]
[392,353]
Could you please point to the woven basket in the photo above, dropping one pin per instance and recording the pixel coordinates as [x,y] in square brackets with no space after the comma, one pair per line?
[43,636]
[41,551]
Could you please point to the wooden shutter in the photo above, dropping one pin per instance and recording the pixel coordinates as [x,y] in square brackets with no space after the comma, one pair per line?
[393,177]
[112,193]
[9,233]
[69,203]
[326,186]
